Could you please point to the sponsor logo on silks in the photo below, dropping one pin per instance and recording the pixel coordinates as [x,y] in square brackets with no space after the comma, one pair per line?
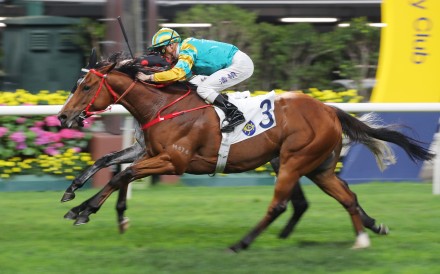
[249,129]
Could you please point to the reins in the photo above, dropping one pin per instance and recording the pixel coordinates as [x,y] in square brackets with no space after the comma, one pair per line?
[117,98]
[159,118]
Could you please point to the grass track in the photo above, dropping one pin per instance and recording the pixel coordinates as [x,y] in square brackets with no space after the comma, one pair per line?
[187,229]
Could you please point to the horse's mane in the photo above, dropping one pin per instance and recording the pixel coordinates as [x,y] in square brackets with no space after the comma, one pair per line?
[133,66]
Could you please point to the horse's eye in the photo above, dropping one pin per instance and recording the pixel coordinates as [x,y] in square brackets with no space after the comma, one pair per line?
[86,88]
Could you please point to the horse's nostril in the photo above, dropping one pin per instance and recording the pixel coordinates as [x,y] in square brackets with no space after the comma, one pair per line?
[62,118]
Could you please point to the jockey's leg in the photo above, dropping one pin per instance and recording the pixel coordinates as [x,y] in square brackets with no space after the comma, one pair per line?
[233,118]
[209,89]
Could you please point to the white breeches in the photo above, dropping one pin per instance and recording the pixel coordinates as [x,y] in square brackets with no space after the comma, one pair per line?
[208,87]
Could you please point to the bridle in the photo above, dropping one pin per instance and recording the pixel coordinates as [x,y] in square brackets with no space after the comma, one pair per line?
[116,98]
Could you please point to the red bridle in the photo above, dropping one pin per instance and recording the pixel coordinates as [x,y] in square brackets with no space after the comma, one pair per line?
[116,97]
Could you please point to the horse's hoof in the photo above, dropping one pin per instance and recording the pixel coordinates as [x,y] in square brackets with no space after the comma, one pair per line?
[68,196]
[284,235]
[362,241]
[70,215]
[383,229]
[233,249]
[81,220]
[238,247]
[124,225]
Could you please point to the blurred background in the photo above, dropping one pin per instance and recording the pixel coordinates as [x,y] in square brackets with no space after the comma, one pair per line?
[328,49]
[321,52]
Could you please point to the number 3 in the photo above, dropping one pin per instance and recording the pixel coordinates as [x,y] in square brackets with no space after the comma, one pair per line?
[268,105]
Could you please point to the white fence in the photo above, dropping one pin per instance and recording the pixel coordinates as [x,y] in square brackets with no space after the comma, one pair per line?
[350,107]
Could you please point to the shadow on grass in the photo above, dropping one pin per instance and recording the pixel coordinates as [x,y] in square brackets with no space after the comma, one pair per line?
[341,244]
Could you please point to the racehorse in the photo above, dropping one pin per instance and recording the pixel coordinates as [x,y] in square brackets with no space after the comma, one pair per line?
[307,139]
[136,151]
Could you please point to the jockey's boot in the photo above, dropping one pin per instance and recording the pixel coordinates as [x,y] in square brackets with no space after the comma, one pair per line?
[233,118]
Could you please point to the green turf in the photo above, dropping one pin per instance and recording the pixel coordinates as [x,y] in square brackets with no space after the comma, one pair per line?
[178,229]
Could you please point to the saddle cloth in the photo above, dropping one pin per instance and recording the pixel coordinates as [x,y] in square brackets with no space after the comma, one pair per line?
[258,111]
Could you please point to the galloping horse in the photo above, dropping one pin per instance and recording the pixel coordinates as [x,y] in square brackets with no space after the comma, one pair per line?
[307,139]
[136,151]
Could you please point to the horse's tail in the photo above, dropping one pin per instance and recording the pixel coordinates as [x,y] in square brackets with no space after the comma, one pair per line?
[367,130]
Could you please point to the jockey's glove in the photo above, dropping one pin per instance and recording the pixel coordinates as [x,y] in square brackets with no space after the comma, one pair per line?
[144,77]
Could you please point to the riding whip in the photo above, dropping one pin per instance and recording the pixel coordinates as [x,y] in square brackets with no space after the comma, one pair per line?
[125,36]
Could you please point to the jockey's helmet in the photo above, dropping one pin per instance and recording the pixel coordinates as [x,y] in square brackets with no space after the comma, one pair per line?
[165,37]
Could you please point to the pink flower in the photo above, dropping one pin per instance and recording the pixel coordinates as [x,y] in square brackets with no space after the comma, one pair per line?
[50,150]
[20,120]
[18,137]
[3,131]
[37,130]
[71,133]
[88,122]
[46,137]
[21,146]
[39,123]
[52,121]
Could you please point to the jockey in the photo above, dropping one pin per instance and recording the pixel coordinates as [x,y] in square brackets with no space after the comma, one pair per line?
[217,66]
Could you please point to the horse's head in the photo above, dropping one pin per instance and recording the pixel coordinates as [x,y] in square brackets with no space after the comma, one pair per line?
[90,95]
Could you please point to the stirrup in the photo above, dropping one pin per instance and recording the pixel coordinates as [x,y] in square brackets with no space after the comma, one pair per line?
[228,125]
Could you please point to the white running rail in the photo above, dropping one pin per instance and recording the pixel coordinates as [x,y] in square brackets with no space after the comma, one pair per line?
[349,107]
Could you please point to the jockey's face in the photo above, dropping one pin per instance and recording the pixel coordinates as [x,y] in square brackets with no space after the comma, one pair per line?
[171,51]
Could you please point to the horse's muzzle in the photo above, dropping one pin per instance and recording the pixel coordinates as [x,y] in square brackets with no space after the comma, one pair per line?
[67,122]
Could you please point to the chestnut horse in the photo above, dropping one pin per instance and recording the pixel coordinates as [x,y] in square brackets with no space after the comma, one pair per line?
[307,139]
[136,151]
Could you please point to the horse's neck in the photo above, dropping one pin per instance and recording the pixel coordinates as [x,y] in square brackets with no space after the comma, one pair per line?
[145,101]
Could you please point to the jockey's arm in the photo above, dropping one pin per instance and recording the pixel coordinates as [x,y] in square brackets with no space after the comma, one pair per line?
[180,71]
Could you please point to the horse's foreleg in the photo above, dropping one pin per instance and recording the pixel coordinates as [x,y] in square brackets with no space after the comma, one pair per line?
[147,166]
[93,204]
[127,155]
[283,189]
[73,213]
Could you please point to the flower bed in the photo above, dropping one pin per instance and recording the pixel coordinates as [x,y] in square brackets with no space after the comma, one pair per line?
[37,145]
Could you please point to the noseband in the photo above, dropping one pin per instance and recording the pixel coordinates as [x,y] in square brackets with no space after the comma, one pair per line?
[116,97]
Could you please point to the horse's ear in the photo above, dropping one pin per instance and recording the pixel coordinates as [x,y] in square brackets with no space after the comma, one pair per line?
[92,59]
[110,68]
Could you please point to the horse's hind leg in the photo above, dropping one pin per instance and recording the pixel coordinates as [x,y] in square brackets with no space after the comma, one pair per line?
[367,221]
[300,205]
[297,199]
[121,207]
[330,184]
[287,178]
